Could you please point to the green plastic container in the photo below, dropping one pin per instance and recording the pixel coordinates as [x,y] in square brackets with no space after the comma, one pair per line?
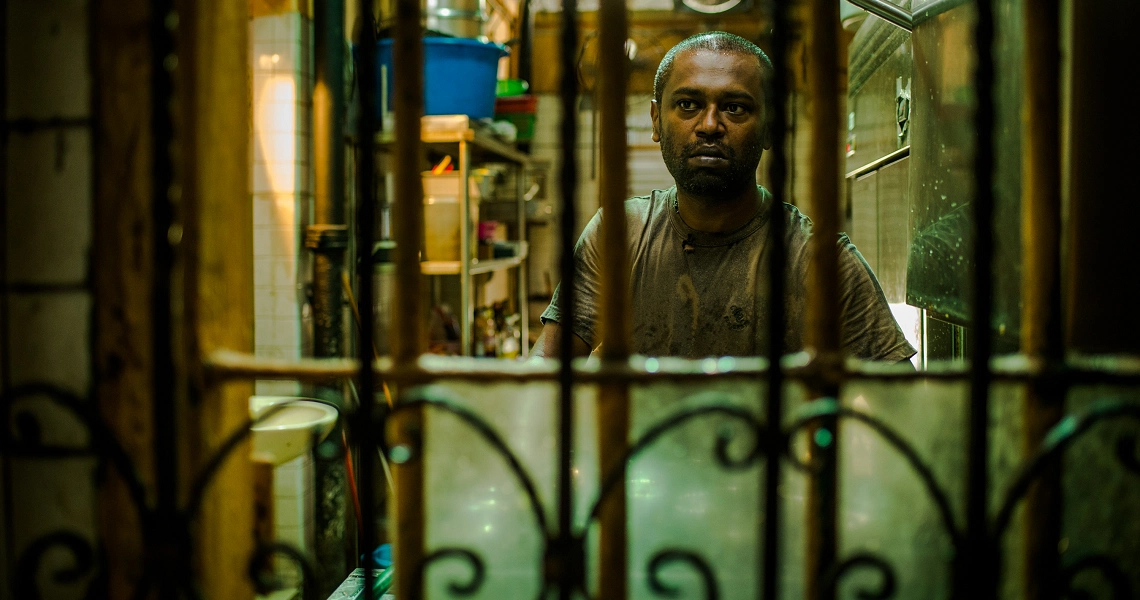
[511,87]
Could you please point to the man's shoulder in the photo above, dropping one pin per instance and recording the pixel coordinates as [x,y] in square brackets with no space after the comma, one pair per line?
[641,209]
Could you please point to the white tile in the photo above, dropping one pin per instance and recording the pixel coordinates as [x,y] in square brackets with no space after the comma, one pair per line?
[48,37]
[277,388]
[260,29]
[49,206]
[261,184]
[283,243]
[285,305]
[262,242]
[282,275]
[49,338]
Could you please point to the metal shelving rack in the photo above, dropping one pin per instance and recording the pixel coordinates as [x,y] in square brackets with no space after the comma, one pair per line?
[476,144]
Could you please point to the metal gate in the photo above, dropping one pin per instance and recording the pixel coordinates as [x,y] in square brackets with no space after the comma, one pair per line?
[773,460]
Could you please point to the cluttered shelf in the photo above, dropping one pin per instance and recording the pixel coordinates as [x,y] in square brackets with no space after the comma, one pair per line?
[452,129]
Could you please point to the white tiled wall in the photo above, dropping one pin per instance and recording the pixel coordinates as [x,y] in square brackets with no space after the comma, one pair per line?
[46,238]
[282,188]
[281,65]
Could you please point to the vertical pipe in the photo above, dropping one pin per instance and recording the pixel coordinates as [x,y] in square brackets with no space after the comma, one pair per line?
[823,87]
[564,575]
[1041,286]
[523,292]
[466,298]
[777,254]
[328,240]
[613,184]
[362,419]
[976,570]
[163,62]
[408,215]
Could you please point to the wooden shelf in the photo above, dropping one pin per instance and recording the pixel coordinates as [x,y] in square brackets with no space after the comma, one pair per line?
[453,129]
[451,267]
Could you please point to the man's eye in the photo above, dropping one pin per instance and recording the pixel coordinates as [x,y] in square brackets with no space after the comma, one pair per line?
[686,104]
[735,109]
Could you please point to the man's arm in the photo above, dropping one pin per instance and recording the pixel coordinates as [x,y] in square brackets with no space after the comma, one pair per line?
[550,341]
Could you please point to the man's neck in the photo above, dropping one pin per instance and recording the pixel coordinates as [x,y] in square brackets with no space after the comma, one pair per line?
[718,215]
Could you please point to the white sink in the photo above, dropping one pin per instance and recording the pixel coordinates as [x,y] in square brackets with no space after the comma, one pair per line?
[290,431]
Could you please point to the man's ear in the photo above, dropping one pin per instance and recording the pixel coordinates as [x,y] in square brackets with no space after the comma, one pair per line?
[653,116]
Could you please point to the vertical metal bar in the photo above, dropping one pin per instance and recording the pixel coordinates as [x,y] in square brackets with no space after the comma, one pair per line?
[564,574]
[163,23]
[823,87]
[1041,282]
[613,184]
[6,478]
[523,294]
[466,297]
[777,256]
[328,239]
[362,419]
[977,572]
[408,59]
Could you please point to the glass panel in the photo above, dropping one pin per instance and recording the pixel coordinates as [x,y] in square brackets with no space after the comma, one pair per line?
[1101,494]
[883,506]
[942,151]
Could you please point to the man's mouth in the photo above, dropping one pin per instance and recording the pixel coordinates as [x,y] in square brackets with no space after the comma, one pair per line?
[708,151]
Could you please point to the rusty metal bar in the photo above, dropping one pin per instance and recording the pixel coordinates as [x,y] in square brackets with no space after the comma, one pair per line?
[1041,283]
[769,584]
[226,365]
[823,297]
[976,571]
[163,181]
[564,557]
[408,215]
[613,187]
[362,419]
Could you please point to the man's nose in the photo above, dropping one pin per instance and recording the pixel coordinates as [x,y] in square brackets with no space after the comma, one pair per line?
[710,124]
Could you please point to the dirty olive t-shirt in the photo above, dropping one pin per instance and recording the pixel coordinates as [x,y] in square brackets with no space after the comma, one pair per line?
[711,300]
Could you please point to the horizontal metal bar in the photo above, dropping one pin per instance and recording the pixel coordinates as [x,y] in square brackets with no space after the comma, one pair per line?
[887,12]
[875,165]
[30,287]
[230,365]
[30,125]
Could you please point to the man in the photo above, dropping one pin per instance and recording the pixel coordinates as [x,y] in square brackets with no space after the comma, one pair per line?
[698,250]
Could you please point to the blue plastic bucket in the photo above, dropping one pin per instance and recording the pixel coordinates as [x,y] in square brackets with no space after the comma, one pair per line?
[459,75]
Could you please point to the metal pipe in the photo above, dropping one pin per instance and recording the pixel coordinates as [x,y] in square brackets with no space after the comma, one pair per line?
[613,185]
[1041,283]
[976,575]
[408,213]
[362,420]
[777,254]
[523,292]
[466,297]
[823,298]
[886,11]
[564,557]
[327,238]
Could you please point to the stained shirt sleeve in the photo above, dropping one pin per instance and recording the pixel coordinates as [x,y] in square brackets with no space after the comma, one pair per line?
[587,286]
[869,330]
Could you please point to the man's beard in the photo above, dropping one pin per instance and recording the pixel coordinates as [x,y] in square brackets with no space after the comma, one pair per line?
[712,183]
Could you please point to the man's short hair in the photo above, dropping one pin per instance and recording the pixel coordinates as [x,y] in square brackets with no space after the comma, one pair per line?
[716,41]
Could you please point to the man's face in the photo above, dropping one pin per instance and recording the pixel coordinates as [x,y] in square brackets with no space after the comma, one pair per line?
[711,122]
